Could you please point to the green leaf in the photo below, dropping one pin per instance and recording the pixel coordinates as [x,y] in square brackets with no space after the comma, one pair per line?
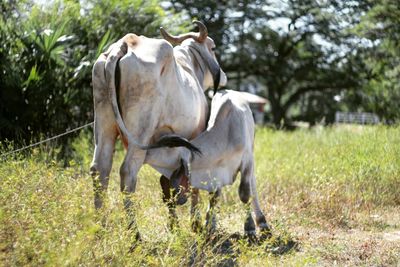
[34,76]
[104,43]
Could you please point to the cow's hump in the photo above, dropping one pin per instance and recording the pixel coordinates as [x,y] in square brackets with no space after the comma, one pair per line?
[149,50]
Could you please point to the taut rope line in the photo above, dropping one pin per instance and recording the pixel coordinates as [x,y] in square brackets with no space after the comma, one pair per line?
[47,140]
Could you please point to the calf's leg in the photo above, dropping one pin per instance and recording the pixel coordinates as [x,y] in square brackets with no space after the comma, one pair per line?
[174,191]
[261,222]
[247,191]
[244,195]
[211,220]
[195,216]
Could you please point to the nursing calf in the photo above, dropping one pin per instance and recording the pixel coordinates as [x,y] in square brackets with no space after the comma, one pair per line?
[227,148]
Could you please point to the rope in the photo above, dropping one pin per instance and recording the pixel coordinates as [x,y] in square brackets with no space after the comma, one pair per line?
[47,140]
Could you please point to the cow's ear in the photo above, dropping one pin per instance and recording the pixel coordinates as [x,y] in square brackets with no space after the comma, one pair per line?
[203,56]
[214,68]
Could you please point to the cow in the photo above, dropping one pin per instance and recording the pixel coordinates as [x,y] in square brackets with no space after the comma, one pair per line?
[227,149]
[144,89]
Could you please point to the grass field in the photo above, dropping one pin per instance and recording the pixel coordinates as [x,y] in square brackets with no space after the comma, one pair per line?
[332,196]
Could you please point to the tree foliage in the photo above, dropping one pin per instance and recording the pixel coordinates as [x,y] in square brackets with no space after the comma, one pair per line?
[309,58]
[379,28]
[303,54]
[46,56]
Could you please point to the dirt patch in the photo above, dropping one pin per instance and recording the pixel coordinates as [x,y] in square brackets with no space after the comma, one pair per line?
[393,236]
[351,247]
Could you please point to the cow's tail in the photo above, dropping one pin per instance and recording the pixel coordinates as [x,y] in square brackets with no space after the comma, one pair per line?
[173,140]
[118,50]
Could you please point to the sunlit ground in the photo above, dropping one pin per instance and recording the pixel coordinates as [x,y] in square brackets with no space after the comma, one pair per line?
[331,195]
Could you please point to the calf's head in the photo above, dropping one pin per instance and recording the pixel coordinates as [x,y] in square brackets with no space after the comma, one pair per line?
[179,182]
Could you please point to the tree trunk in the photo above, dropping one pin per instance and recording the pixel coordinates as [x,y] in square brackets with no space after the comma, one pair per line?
[278,114]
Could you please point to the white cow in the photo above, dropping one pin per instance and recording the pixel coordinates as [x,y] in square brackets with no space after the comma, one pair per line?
[227,148]
[143,89]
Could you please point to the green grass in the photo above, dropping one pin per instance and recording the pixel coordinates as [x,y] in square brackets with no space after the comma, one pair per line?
[334,191]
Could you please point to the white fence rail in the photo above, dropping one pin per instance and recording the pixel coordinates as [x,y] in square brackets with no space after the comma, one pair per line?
[356,117]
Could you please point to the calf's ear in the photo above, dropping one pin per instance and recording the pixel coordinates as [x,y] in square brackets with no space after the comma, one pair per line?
[179,182]
[185,167]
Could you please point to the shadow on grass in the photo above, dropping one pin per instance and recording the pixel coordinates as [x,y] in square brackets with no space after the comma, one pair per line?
[226,248]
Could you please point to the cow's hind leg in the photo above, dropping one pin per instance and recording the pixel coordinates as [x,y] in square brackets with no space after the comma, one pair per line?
[102,160]
[105,133]
[129,169]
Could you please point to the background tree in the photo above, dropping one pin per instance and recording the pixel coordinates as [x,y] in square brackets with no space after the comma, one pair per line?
[46,55]
[303,54]
[379,30]
[309,58]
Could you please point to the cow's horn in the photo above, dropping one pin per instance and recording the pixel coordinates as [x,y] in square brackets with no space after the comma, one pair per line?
[203,33]
[176,40]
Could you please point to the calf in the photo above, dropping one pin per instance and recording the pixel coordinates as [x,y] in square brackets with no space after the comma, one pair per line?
[227,148]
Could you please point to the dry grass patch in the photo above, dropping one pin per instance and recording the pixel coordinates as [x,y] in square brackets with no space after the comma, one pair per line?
[331,195]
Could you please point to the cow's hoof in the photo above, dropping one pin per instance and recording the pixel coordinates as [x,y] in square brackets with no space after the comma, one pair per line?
[196,226]
[211,229]
[136,243]
[173,223]
[211,226]
[265,234]
[251,237]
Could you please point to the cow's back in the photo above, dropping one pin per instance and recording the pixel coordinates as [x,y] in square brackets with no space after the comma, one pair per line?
[143,63]
[149,50]
[230,110]
[143,66]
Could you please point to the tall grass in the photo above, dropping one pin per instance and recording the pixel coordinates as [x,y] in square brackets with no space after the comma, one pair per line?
[306,178]
[333,170]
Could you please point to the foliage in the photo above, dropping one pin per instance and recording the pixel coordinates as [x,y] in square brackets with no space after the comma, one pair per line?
[289,62]
[47,53]
[304,54]
[308,58]
[333,190]
[379,27]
